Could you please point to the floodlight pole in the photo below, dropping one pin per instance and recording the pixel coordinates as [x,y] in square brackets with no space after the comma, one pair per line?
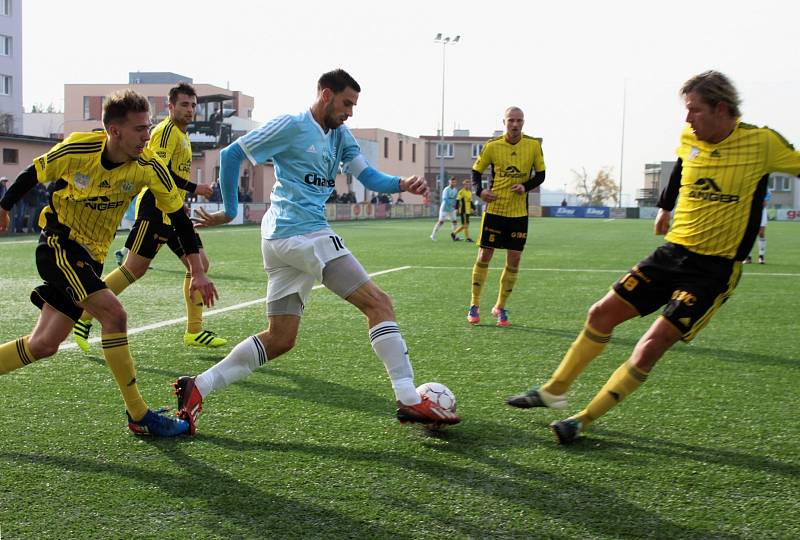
[622,140]
[444,40]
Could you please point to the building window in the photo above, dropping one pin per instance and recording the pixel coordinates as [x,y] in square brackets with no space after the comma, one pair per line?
[5,7]
[399,150]
[92,107]
[386,147]
[444,150]
[780,182]
[5,85]
[413,153]
[10,155]
[5,45]
[476,150]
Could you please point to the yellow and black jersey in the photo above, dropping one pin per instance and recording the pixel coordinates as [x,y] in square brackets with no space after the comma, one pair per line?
[722,188]
[464,201]
[174,148]
[510,164]
[90,198]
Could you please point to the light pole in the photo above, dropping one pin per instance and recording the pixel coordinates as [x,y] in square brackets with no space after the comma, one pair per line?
[444,40]
[622,140]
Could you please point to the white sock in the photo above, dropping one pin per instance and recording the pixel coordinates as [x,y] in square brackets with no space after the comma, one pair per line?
[436,228]
[388,344]
[245,358]
[762,246]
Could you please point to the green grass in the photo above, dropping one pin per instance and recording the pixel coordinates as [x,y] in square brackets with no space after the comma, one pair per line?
[307,447]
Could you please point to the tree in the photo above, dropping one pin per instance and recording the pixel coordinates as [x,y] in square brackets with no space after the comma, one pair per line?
[596,192]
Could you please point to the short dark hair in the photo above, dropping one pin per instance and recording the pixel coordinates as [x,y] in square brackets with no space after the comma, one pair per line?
[337,80]
[118,104]
[182,88]
[714,88]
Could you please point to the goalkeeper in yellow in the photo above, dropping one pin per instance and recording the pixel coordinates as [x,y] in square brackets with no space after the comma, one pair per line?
[153,227]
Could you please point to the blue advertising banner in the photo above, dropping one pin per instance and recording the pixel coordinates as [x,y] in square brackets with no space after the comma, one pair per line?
[580,211]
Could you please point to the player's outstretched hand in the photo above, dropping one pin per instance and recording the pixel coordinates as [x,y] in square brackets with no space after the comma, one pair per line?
[209,219]
[206,288]
[414,184]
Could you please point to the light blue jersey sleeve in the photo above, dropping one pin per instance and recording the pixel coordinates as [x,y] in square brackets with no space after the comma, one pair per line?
[230,161]
[272,138]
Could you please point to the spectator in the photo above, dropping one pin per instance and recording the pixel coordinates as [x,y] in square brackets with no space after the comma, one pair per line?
[399,199]
[334,197]
[3,186]
[564,202]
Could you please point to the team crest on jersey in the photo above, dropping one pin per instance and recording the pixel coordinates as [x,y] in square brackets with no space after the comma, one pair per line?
[693,153]
[81,180]
[126,186]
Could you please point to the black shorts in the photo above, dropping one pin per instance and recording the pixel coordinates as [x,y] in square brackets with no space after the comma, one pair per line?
[500,232]
[464,218]
[148,235]
[691,287]
[70,275]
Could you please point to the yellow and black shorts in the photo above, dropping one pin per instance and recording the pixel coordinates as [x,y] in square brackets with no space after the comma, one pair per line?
[70,275]
[500,232]
[691,287]
[148,235]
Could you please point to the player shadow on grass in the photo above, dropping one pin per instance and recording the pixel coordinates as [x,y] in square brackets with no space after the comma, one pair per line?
[232,507]
[613,445]
[725,355]
[305,388]
[573,503]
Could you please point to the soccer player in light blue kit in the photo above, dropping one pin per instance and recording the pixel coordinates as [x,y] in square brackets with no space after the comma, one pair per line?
[299,247]
[447,210]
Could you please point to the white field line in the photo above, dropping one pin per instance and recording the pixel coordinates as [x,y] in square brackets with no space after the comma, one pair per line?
[161,324]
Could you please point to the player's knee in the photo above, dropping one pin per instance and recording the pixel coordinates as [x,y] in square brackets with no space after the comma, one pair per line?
[381,305]
[598,317]
[114,319]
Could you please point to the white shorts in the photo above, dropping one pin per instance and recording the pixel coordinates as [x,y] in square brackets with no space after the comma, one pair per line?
[447,215]
[764,217]
[293,264]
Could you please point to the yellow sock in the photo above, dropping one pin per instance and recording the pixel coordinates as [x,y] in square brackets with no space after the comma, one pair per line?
[14,355]
[479,273]
[194,307]
[117,281]
[507,280]
[620,385]
[118,358]
[586,347]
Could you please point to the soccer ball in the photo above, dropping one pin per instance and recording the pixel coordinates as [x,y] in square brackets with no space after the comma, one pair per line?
[438,394]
